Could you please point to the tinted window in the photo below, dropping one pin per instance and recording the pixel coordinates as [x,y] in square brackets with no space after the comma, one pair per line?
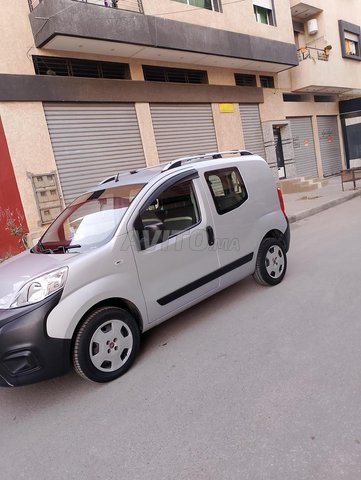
[174,211]
[227,189]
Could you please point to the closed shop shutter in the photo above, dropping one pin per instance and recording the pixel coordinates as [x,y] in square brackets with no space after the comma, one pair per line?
[92,142]
[329,144]
[252,129]
[183,130]
[304,146]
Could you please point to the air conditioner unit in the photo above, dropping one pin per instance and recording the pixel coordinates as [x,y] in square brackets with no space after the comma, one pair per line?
[312,26]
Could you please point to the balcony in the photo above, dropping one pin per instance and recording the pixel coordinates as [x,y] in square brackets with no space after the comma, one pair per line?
[315,73]
[126,32]
[128,5]
[312,53]
[301,12]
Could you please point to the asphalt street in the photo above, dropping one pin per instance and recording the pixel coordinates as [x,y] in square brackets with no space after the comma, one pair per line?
[258,383]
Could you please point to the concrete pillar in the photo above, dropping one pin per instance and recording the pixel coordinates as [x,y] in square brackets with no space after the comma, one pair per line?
[342,143]
[316,139]
[228,127]
[147,133]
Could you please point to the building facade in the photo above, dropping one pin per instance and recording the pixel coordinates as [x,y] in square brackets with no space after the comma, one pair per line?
[92,88]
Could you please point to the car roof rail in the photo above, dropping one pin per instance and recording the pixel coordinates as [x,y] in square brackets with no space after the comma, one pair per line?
[204,156]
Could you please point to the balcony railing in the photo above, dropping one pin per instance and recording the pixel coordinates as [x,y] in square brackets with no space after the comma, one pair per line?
[312,53]
[129,5]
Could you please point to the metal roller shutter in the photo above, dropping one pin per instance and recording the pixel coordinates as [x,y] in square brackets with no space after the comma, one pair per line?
[92,142]
[304,146]
[329,144]
[252,129]
[183,129]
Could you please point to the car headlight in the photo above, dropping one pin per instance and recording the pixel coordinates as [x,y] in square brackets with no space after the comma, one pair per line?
[41,287]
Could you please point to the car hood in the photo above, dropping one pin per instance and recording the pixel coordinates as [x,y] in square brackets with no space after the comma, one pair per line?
[18,270]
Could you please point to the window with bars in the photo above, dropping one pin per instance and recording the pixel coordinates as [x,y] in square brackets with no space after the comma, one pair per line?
[76,67]
[174,75]
[267,82]
[214,5]
[245,80]
[264,11]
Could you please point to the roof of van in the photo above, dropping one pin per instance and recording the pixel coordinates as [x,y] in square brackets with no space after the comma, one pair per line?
[145,175]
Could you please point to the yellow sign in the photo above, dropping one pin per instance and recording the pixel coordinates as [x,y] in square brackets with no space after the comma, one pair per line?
[226,107]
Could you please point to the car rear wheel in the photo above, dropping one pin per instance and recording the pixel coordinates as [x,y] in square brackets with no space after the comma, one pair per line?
[271,264]
[106,344]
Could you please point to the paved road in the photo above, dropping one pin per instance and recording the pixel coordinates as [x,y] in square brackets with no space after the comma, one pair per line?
[257,383]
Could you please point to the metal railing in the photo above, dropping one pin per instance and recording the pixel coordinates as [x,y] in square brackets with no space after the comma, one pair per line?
[128,5]
[306,53]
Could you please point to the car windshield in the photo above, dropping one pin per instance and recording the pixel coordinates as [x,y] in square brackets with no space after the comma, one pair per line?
[89,222]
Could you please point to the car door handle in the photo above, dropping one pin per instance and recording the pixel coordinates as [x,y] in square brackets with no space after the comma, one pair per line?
[210,235]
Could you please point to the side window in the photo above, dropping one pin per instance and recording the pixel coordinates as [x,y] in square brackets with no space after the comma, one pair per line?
[172,212]
[227,189]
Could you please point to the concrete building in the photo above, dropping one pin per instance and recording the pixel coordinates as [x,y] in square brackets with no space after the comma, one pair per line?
[91,88]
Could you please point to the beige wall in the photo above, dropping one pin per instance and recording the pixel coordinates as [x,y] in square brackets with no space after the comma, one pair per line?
[236,17]
[16,38]
[337,71]
[30,151]
[272,108]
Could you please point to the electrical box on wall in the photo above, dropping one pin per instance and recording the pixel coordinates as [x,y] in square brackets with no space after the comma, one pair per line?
[312,26]
[47,196]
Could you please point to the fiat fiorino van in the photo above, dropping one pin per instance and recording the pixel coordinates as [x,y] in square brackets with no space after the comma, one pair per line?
[134,251]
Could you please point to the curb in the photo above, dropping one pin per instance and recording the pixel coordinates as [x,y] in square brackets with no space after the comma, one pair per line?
[325,206]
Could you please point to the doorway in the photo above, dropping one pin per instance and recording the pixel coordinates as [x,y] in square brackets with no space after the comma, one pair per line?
[279,152]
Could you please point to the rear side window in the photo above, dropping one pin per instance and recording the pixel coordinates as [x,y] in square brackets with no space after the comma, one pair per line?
[227,189]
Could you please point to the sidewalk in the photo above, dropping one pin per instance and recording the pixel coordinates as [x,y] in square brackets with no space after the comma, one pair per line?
[305,204]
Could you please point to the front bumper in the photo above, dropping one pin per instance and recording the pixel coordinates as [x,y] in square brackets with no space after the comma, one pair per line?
[27,353]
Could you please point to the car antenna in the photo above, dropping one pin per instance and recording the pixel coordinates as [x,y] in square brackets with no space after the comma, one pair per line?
[117,178]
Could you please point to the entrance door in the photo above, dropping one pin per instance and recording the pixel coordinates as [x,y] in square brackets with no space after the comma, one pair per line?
[329,145]
[175,259]
[304,147]
[252,128]
[183,129]
[279,152]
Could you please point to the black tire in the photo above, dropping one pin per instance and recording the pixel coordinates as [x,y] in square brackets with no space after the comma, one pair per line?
[271,264]
[106,344]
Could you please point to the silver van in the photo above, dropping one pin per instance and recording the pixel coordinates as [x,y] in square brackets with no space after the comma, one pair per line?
[134,251]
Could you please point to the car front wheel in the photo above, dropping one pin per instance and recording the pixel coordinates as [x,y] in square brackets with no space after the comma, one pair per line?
[106,344]
[271,264]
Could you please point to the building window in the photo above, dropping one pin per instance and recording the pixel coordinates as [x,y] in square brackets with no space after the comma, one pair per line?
[76,67]
[244,80]
[350,36]
[227,189]
[352,44]
[174,75]
[264,11]
[214,5]
[267,82]
[296,97]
